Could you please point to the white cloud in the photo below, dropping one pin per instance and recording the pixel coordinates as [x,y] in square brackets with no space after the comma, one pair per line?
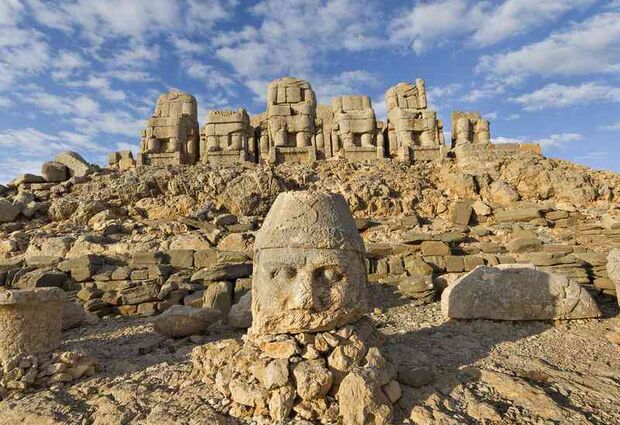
[294,35]
[135,18]
[66,63]
[563,96]
[129,75]
[103,86]
[592,46]
[552,141]
[52,17]
[431,24]
[32,142]
[62,105]
[346,83]
[185,46]
[514,17]
[10,11]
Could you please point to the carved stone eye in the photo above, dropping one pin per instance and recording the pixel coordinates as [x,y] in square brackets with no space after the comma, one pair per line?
[329,275]
[283,272]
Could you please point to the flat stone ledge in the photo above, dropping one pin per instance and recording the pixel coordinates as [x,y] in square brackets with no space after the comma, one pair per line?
[31,296]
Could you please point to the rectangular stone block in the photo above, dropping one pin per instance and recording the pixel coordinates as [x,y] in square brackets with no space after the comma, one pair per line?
[205,258]
[435,248]
[454,264]
[147,258]
[293,94]
[470,262]
[181,258]
[141,293]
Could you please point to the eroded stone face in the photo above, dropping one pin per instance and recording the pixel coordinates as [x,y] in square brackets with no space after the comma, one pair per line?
[302,290]
[309,272]
[469,128]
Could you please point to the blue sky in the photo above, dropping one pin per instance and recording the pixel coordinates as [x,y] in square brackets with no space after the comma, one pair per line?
[84,74]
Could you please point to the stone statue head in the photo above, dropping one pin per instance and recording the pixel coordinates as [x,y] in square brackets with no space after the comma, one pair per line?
[309,266]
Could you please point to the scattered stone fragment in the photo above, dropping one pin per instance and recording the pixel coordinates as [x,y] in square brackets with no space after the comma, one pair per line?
[180,321]
[516,293]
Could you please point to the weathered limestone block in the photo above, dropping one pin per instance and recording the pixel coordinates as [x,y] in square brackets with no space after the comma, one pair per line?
[288,133]
[181,320]
[413,131]
[227,137]
[240,315]
[469,128]
[172,133]
[516,293]
[613,270]
[55,172]
[8,211]
[310,270]
[30,321]
[78,166]
[355,133]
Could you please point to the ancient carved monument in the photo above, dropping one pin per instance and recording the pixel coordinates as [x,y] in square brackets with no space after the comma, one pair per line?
[356,132]
[309,341]
[294,128]
[469,128]
[30,321]
[227,137]
[310,247]
[290,126]
[414,132]
[171,134]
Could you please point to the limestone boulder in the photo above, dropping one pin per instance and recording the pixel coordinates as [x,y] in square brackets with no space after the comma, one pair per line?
[613,269]
[251,193]
[73,315]
[516,293]
[74,162]
[54,172]
[8,211]
[240,315]
[501,192]
[180,321]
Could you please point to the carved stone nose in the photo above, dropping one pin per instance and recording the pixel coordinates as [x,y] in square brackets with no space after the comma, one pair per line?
[303,295]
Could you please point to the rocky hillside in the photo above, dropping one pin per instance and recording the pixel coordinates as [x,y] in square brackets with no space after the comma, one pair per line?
[129,245]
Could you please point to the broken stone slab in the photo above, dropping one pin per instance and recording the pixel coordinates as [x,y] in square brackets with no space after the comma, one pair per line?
[141,293]
[512,215]
[8,211]
[461,212]
[432,248]
[75,163]
[516,293]
[613,270]
[180,321]
[54,172]
[41,278]
[27,179]
[30,321]
[520,245]
[223,272]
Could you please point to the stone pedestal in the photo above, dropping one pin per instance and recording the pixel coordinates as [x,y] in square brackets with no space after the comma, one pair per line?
[30,321]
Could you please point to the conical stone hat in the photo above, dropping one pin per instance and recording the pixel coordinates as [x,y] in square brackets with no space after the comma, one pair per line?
[309,219]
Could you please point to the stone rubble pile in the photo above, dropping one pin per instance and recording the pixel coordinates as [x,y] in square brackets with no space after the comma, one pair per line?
[23,372]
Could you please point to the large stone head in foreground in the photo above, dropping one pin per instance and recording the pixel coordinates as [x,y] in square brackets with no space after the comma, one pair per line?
[309,272]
